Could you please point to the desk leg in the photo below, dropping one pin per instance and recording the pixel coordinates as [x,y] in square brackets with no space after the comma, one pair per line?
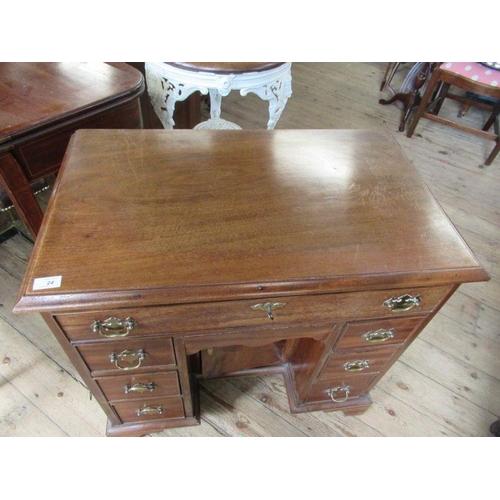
[19,191]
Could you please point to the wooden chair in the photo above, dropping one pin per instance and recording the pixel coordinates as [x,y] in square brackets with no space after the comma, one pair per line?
[473,79]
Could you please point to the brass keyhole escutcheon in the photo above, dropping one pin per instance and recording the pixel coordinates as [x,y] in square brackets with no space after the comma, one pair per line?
[269,307]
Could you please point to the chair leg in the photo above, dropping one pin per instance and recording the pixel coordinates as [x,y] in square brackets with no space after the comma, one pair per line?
[439,98]
[429,91]
[464,109]
[389,73]
[493,154]
[493,117]
[493,120]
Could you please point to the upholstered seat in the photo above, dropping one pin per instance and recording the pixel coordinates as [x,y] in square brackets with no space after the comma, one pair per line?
[477,72]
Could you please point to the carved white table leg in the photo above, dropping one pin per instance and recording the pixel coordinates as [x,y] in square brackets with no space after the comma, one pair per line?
[165,90]
[277,93]
[215,103]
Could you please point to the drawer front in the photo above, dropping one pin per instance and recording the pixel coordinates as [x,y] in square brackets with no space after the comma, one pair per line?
[340,389]
[357,361]
[254,337]
[245,313]
[142,385]
[150,409]
[128,355]
[44,156]
[375,333]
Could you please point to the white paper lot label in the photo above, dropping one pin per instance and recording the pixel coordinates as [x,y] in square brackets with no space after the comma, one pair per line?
[44,283]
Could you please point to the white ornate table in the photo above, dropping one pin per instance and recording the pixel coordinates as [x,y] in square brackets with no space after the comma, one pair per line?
[168,83]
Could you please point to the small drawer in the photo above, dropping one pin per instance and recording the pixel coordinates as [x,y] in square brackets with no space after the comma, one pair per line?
[375,333]
[128,356]
[357,361]
[340,389]
[270,311]
[150,409]
[143,385]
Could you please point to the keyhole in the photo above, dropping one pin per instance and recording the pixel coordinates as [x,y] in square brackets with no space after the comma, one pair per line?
[270,311]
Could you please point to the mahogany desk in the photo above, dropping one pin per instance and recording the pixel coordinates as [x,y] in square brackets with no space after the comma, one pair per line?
[42,104]
[166,257]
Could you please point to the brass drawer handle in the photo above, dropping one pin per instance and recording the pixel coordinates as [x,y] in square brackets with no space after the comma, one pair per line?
[379,335]
[268,307]
[113,327]
[342,388]
[357,366]
[150,410]
[139,387]
[129,357]
[402,303]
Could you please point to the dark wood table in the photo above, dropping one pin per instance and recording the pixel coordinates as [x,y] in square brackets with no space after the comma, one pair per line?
[42,104]
[168,257]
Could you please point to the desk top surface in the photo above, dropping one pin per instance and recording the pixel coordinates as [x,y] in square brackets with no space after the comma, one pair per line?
[156,216]
[35,95]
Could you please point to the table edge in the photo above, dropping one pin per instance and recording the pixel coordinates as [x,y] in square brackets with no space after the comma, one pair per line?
[142,297]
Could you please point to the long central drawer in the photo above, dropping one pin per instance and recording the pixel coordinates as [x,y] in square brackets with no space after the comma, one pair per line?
[214,316]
